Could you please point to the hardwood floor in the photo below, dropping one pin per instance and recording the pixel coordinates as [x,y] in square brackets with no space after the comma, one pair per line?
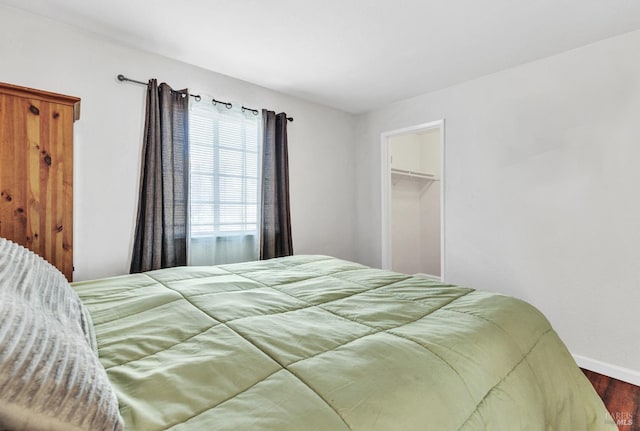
[622,400]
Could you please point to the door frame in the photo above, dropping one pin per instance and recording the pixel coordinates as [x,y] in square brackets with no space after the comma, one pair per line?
[386,243]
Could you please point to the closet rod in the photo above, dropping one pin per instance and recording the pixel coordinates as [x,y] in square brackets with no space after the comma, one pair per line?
[228,105]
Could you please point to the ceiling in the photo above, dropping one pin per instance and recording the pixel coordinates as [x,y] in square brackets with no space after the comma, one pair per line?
[353,55]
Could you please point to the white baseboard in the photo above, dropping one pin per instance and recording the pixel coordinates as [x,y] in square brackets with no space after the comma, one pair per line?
[620,373]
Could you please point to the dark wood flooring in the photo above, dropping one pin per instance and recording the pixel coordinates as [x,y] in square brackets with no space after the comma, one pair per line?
[622,400]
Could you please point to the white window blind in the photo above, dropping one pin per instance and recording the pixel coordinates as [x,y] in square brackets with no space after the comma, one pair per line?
[224,171]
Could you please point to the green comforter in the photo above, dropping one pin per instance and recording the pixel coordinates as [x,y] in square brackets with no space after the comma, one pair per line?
[317,343]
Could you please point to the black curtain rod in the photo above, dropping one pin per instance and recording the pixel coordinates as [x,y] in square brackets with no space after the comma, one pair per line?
[228,105]
[123,78]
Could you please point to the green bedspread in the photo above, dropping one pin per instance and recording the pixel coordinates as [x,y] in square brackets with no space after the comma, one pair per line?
[317,343]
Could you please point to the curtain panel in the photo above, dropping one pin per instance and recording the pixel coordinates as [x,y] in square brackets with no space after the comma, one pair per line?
[275,215]
[161,225]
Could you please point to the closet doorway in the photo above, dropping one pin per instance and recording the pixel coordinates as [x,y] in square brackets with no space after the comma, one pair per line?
[412,200]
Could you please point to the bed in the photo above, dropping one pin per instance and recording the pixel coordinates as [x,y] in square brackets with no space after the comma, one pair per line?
[297,343]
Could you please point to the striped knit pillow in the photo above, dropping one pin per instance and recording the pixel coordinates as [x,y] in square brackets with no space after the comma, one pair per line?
[50,377]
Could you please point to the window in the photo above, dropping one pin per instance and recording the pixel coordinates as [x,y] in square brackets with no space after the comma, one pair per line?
[224,179]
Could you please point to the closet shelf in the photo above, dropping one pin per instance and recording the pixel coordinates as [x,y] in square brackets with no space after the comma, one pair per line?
[418,175]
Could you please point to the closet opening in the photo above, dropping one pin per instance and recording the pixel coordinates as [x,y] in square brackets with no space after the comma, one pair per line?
[413,200]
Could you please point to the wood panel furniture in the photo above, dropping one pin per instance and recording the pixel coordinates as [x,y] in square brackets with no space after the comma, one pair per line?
[36,172]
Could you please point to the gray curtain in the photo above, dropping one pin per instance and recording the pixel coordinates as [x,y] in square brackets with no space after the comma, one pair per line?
[161,226]
[275,237]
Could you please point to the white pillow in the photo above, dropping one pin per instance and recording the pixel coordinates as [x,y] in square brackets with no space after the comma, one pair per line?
[50,376]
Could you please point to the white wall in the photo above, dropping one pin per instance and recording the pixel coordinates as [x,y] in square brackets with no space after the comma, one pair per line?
[415,226]
[542,189]
[43,54]
[430,151]
[406,255]
[430,229]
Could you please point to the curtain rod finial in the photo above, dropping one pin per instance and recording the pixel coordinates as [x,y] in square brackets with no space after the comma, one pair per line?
[121,77]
